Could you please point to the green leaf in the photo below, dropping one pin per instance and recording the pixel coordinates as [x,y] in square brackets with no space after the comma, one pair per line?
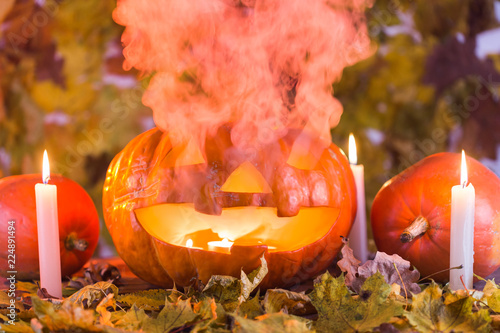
[340,312]
[272,323]
[430,313]
[277,300]
[173,315]
[96,292]
[149,299]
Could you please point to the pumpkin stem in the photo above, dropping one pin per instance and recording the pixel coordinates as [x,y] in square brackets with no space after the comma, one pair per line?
[73,243]
[418,227]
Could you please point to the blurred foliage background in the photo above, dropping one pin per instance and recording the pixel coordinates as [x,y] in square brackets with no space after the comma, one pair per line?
[432,85]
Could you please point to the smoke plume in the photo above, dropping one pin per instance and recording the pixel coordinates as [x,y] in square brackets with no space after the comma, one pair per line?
[263,65]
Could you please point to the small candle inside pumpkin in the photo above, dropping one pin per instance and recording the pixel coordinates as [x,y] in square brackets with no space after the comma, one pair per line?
[220,246]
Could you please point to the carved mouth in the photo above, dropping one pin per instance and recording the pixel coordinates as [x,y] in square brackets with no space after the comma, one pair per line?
[250,226]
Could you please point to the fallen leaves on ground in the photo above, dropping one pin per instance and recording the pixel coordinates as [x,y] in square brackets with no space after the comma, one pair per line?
[92,293]
[393,268]
[96,272]
[227,304]
[434,312]
[339,311]
[152,299]
[230,291]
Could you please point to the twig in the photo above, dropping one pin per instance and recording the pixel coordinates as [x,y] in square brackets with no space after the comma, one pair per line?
[404,287]
[463,284]
[118,305]
[444,270]
[467,290]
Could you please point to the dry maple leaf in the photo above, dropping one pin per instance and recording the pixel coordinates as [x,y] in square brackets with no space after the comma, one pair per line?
[348,264]
[393,268]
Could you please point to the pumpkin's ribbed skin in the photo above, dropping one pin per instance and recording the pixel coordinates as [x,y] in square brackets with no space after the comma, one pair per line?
[138,177]
[425,190]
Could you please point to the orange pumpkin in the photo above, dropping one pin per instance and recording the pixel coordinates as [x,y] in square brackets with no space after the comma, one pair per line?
[290,201]
[411,215]
[78,225]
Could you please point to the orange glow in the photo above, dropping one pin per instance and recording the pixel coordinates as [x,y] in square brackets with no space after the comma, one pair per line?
[246,179]
[220,246]
[176,223]
[184,154]
[463,171]
[45,168]
[306,151]
[301,158]
[353,154]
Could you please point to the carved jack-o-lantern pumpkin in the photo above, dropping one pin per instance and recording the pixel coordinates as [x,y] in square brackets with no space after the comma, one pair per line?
[289,200]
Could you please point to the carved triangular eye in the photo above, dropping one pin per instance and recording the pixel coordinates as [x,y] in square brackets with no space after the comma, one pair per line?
[246,179]
[187,153]
[306,152]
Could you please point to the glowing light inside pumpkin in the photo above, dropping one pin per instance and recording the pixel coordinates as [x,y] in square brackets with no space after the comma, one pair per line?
[184,154]
[353,155]
[220,246]
[463,171]
[176,223]
[45,168]
[246,179]
[189,243]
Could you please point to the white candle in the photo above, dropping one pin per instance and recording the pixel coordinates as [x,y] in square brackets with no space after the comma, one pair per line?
[48,233]
[220,246]
[463,198]
[357,239]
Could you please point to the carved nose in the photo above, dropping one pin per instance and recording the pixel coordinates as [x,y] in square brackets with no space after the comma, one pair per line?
[246,179]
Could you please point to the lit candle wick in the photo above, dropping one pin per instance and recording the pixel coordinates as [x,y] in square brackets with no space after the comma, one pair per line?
[189,243]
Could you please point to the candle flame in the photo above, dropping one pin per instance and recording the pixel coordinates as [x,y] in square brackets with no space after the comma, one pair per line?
[189,243]
[226,243]
[463,172]
[353,155]
[45,168]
